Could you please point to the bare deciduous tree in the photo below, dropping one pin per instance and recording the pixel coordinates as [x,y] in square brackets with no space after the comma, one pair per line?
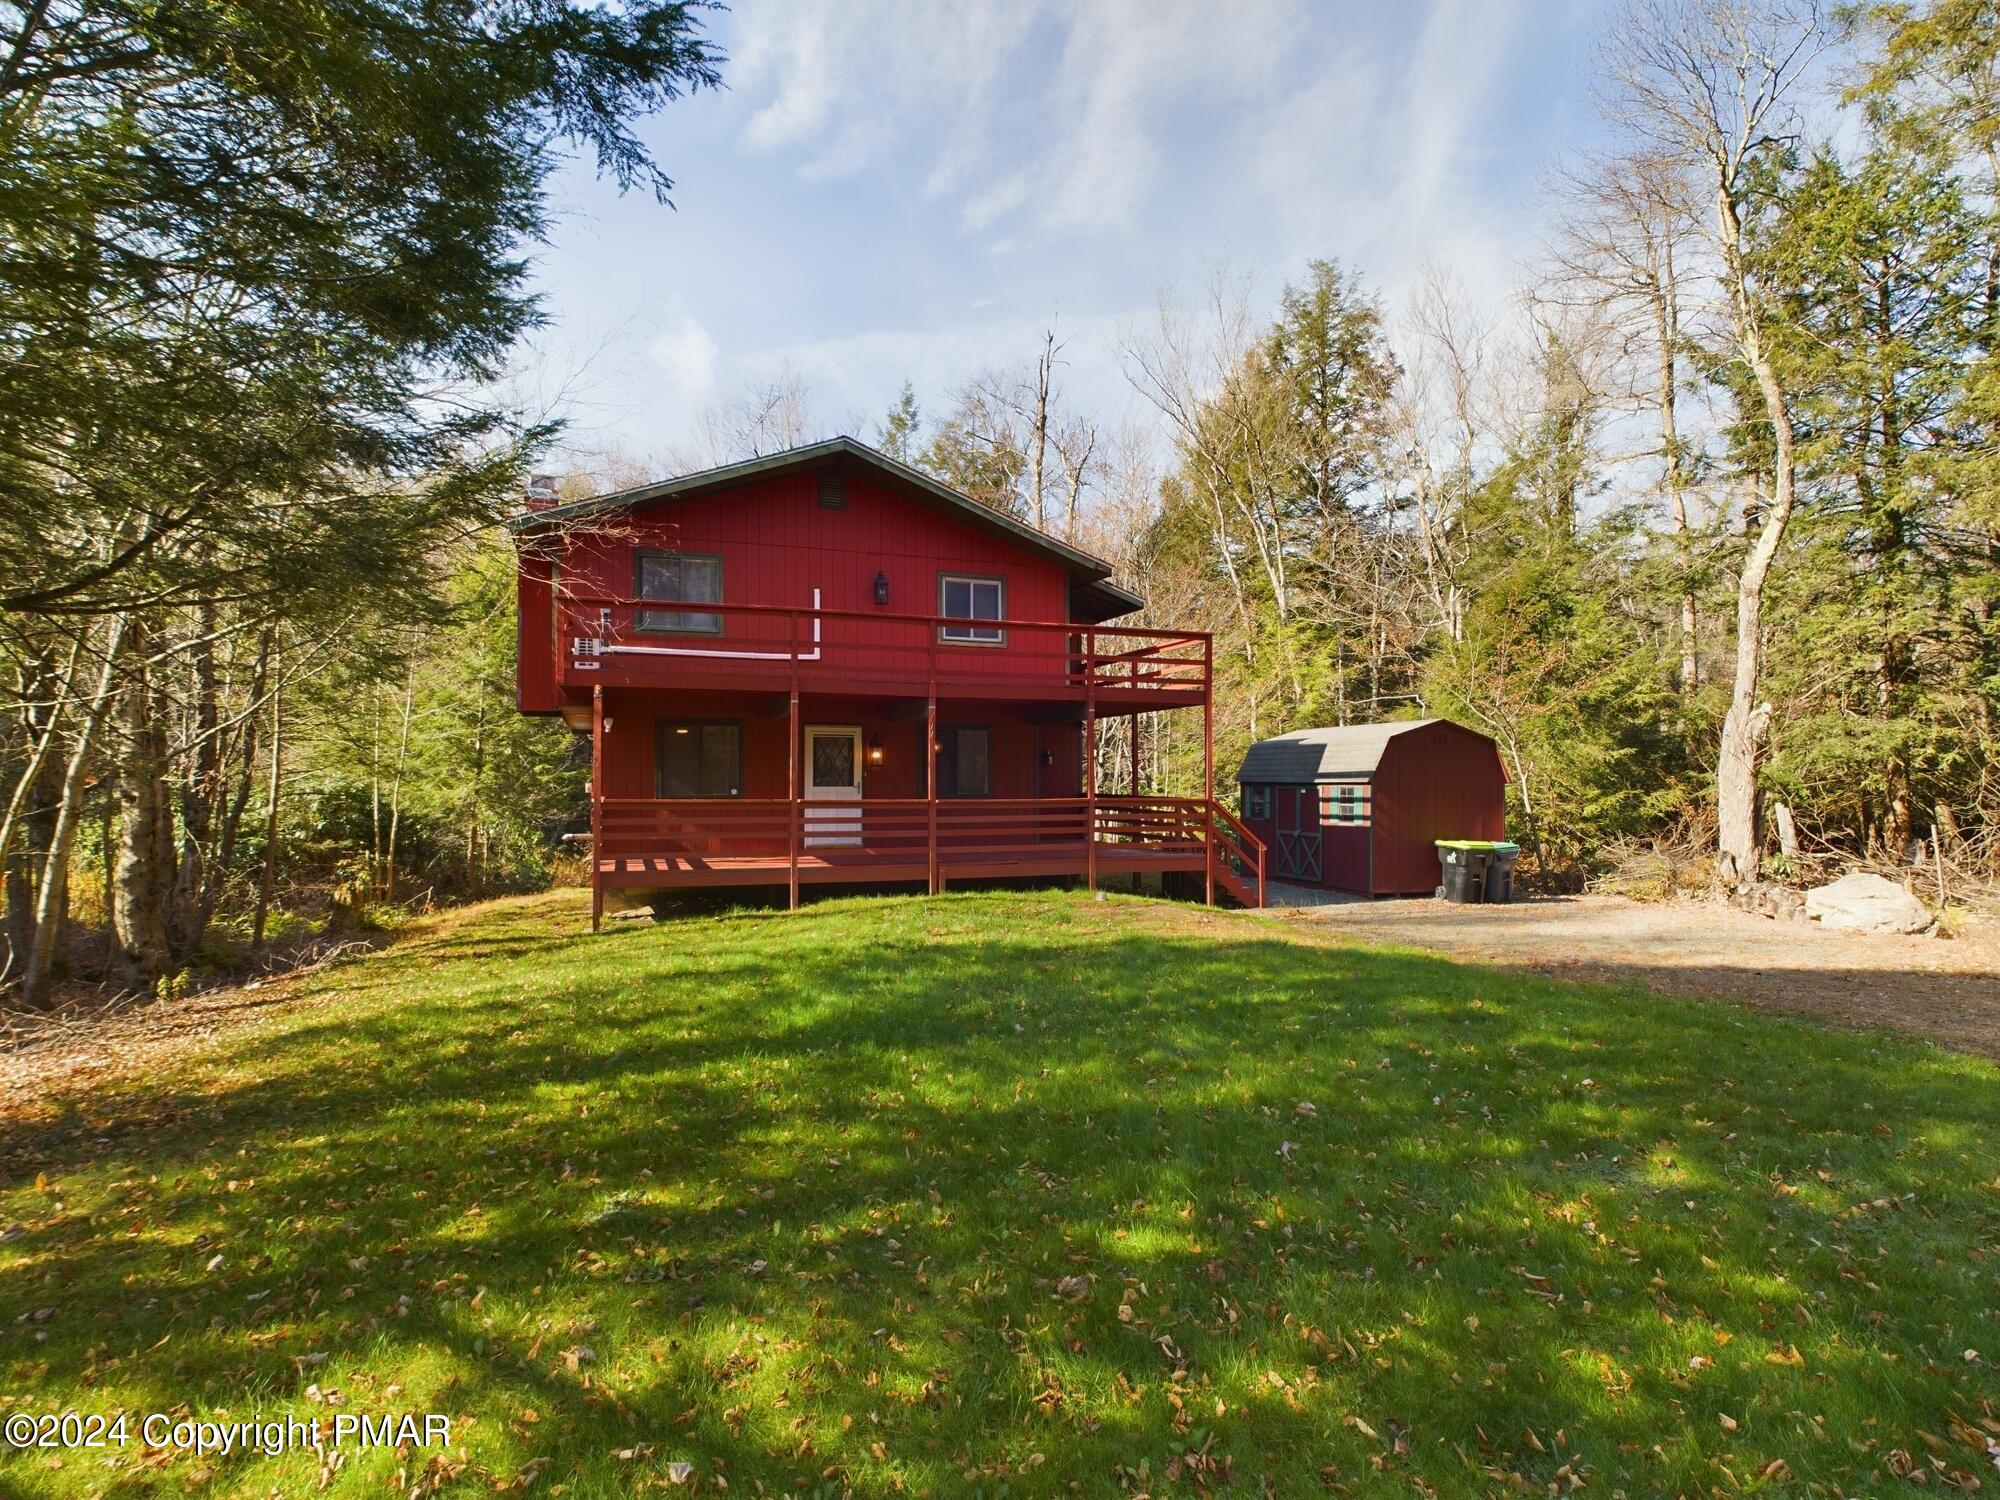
[1708,85]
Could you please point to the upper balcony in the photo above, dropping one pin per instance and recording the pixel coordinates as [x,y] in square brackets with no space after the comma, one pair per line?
[640,643]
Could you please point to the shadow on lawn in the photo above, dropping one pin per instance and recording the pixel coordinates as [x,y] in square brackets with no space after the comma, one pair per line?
[805,1192]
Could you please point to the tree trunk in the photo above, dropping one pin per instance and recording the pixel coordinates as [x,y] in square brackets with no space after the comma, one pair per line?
[142,876]
[267,876]
[1744,725]
[396,785]
[50,899]
[1044,375]
[472,871]
[1788,830]
[1666,320]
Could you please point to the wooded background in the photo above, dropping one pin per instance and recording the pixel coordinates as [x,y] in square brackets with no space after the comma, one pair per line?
[1701,527]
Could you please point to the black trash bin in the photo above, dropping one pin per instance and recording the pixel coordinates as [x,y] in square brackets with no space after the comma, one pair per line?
[1500,872]
[1464,864]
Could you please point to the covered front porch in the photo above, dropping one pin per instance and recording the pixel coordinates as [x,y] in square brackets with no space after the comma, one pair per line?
[738,789]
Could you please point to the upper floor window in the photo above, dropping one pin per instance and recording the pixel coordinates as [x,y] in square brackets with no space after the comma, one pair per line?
[686,578]
[965,597]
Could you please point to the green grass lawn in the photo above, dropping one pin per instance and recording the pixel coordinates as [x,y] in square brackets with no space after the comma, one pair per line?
[1015,1194]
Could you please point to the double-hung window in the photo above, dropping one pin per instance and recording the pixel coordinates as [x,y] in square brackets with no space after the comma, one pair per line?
[1350,805]
[699,757]
[685,578]
[966,597]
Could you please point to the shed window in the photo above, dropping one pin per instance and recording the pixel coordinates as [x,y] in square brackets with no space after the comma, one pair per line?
[1349,805]
[699,757]
[965,761]
[687,578]
[968,598]
[1256,802]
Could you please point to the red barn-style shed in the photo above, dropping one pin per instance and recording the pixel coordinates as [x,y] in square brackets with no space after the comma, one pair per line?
[823,666]
[1359,808]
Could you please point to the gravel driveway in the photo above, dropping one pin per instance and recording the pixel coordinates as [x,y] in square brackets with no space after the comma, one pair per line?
[1945,989]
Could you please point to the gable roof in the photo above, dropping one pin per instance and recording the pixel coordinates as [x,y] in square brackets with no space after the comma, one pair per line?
[1091,589]
[1351,752]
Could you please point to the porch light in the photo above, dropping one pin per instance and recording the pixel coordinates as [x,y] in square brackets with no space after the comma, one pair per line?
[1048,757]
[875,750]
[881,587]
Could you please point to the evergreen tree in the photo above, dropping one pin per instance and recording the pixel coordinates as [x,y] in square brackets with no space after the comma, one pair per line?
[898,435]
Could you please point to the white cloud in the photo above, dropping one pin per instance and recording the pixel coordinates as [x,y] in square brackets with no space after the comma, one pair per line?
[1029,110]
[687,353]
[1085,154]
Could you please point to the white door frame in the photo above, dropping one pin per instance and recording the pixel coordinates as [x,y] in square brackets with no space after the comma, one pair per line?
[840,825]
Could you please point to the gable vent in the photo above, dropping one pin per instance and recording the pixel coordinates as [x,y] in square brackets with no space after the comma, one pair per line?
[832,490]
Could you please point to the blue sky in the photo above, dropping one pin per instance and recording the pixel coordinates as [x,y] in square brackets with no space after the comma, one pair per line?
[889,191]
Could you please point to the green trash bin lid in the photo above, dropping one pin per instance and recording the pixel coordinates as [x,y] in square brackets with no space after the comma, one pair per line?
[1497,846]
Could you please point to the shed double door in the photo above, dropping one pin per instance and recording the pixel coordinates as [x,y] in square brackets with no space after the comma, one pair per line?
[1297,854]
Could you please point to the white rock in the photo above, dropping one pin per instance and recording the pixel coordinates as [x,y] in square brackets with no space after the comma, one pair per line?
[1867,903]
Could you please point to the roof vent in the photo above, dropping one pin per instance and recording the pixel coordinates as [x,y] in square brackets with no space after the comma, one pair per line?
[832,490]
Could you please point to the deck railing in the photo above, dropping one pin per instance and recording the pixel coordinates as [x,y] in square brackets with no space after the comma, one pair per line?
[908,832]
[601,637]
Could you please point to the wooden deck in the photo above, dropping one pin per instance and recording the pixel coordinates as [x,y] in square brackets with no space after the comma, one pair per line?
[864,866]
[653,844]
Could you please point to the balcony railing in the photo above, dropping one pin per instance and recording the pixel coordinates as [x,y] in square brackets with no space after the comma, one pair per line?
[602,638]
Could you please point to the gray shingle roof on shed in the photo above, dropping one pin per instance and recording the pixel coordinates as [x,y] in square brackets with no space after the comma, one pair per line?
[1349,753]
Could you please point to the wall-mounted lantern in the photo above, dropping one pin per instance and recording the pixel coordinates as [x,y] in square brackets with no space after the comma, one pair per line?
[875,750]
[1048,757]
[881,588]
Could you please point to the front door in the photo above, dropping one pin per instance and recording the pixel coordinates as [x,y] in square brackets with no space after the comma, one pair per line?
[833,776]
[1295,820]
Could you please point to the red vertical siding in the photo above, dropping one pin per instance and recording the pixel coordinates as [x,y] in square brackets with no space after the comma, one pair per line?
[536,689]
[1016,741]
[1346,846]
[1438,782]
[778,544]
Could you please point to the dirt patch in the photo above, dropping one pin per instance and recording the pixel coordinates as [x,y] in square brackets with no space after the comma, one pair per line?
[1945,990]
[90,1040]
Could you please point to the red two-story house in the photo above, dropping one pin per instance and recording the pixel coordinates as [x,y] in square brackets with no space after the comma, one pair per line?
[826,667]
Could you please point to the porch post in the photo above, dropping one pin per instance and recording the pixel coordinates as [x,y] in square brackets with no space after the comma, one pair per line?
[1208,768]
[792,803]
[1090,758]
[597,808]
[793,734]
[1135,752]
[930,759]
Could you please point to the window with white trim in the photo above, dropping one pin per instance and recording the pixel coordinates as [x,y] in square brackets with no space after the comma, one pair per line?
[1348,805]
[963,596]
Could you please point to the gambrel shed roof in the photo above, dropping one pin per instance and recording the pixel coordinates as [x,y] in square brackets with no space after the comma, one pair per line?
[1351,752]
